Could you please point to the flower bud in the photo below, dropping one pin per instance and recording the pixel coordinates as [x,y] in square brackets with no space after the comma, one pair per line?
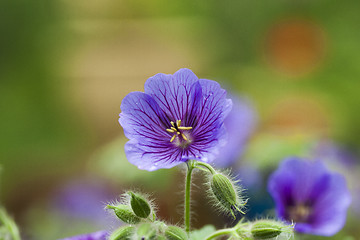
[267,229]
[125,214]
[175,233]
[123,233]
[225,192]
[139,205]
[146,231]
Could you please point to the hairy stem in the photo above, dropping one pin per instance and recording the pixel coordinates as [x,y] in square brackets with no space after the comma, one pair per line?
[190,165]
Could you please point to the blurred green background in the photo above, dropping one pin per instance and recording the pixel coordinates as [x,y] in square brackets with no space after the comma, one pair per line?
[66,65]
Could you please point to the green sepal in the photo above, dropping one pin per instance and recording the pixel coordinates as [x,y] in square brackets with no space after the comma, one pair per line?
[125,213]
[139,205]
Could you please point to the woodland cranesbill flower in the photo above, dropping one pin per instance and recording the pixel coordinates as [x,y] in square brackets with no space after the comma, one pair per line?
[178,117]
[307,193]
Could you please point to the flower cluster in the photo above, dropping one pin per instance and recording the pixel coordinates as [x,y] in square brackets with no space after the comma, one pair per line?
[180,118]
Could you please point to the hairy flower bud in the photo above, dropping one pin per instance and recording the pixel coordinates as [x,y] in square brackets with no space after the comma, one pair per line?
[123,233]
[175,233]
[226,193]
[139,205]
[124,213]
[267,229]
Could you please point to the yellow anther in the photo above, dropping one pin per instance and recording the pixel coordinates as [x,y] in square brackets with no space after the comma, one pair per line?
[185,138]
[184,128]
[175,129]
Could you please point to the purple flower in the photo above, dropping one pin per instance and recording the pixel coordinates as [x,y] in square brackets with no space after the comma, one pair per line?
[240,124]
[100,235]
[179,117]
[310,195]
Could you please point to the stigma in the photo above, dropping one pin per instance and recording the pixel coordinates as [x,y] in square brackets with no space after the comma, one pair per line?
[177,129]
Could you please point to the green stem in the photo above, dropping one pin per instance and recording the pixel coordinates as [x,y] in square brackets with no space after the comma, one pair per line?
[190,165]
[218,233]
[208,166]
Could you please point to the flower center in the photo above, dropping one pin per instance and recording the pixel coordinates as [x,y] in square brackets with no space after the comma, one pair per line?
[176,128]
[299,213]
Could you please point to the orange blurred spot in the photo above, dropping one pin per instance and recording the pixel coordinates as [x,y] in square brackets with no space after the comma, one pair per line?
[295,47]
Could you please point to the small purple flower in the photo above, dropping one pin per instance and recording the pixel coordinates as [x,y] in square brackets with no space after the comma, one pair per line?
[310,195]
[240,124]
[179,117]
[100,235]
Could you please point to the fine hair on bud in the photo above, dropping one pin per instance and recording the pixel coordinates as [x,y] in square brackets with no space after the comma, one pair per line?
[225,193]
[271,229]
